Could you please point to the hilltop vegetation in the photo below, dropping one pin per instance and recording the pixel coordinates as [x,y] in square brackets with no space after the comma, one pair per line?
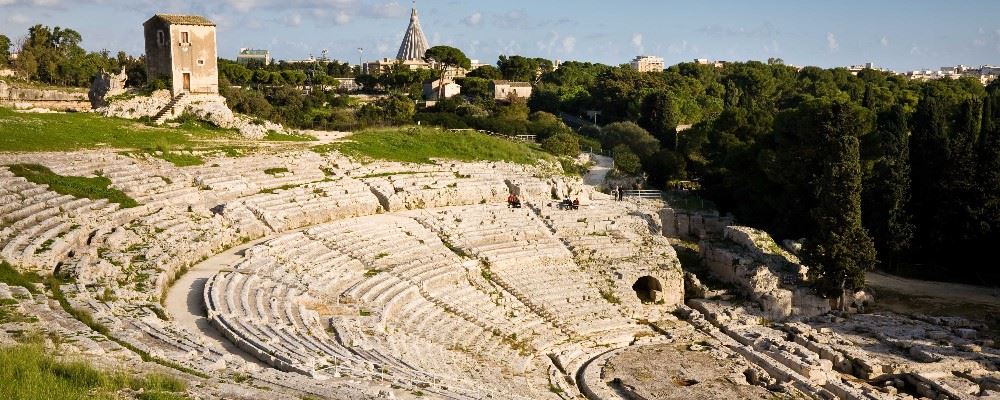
[420,145]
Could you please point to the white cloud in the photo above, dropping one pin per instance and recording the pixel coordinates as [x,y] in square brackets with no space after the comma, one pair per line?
[6,2]
[916,50]
[884,41]
[831,42]
[292,20]
[242,5]
[637,43]
[568,44]
[473,19]
[341,18]
[16,18]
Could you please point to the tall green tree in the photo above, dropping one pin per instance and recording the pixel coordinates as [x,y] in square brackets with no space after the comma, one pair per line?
[886,194]
[446,57]
[839,250]
[989,173]
[4,51]
[658,114]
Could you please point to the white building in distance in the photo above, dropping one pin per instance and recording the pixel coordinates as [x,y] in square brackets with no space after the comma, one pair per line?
[247,56]
[432,89]
[647,64]
[505,90]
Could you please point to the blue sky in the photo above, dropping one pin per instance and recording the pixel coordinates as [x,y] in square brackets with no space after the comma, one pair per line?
[897,34]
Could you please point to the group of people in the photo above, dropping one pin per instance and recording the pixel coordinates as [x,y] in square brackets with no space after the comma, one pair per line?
[566,204]
[514,202]
[618,193]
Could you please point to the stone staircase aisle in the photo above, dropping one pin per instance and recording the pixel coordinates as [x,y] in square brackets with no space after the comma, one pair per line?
[168,111]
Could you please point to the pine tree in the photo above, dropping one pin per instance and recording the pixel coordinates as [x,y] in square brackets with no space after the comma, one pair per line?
[839,251]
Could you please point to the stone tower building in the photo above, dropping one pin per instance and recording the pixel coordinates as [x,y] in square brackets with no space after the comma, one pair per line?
[414,42]
[182,48]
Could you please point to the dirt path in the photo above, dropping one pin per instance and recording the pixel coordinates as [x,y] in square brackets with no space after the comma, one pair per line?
[939,291]
[598,172]
[912,296]
[185,301]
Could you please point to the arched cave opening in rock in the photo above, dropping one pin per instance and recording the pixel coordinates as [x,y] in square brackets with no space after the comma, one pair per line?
[648,289]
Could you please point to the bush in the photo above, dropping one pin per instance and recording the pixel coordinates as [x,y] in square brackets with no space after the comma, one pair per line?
[625,160]
[562,144]
[443,119]
[638,140]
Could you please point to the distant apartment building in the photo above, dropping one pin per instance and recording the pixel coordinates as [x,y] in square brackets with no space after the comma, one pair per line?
[253,56]
[505,90]
[647,64]
[183,49]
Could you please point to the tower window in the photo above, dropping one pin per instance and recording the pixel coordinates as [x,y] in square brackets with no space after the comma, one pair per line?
[184,38]
[160,38]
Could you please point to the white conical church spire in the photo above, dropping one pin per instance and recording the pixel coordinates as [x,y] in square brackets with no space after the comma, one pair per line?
[414,42]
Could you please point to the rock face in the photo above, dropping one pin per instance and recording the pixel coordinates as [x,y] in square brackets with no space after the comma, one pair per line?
[106,85]
[210,108]
[26,98]
[751,260]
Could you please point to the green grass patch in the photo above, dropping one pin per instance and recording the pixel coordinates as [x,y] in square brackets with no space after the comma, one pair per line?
[288,137]
[179,159]
[75,131]
[12,277]
[77,186]
[29,373]
[275,171]
[420,145]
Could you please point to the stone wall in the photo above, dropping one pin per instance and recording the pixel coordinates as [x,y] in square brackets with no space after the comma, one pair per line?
[693,225]
[27,98]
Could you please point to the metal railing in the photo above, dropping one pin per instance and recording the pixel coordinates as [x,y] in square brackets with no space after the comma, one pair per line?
[643,193]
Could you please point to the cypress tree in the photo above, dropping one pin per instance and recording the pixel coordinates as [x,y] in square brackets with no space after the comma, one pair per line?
[988,175]
[886,195]
[839,250]
[930,151]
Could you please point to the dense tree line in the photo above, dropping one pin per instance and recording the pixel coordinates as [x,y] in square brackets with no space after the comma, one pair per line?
[54,56]
[765,137]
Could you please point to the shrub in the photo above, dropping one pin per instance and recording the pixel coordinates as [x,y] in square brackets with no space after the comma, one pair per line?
[625,160]
[562,144]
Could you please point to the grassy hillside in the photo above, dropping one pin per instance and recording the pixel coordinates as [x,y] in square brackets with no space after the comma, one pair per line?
[73,131]
[28,373]
[420,145]
[76,186]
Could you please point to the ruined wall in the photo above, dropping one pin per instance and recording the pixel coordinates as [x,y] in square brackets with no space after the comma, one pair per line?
[26,98]
[693,225]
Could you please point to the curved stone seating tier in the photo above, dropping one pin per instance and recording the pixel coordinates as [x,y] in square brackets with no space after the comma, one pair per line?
[228,178]
[436,189]
[527,260]
[313,203]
